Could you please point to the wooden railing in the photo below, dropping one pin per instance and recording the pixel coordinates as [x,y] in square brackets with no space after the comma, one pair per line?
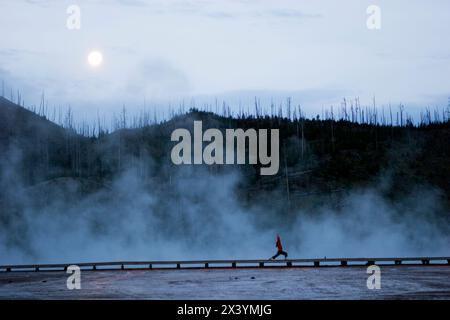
[195,264]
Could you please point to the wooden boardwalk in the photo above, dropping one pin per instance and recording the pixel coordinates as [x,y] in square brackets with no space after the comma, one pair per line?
[205,264]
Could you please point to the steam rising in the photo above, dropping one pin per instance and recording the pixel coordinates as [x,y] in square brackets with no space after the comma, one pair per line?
[197,215]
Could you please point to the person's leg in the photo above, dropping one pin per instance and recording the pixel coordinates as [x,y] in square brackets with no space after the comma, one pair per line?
[276,256]
[284,253]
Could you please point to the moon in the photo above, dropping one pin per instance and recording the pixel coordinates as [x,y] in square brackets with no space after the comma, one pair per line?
[95,58]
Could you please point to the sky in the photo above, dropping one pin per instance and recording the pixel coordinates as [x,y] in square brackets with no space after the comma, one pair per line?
[162,52]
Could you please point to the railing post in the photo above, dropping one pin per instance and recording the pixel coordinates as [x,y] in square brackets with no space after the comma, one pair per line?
[398,262]
[150,266]
[94,267]
[36,269]
[206,265]
[178,266]
[344,263]
[425,261]
[8,269]
[316,263]
[288,264]
[261,264]
[370,262]
[233,264]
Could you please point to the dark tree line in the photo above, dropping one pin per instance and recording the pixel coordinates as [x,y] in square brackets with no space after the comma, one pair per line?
[341,149]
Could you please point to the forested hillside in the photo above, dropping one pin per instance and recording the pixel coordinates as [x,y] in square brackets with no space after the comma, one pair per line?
[319,159]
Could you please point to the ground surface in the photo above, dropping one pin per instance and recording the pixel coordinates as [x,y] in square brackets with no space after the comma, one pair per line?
[405,282]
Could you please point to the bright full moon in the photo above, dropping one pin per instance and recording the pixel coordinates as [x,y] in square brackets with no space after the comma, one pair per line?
[95,58]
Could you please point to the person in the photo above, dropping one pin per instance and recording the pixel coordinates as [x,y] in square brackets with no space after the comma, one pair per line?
[280,249]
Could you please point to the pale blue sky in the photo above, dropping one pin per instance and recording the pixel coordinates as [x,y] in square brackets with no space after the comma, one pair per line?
[165,50]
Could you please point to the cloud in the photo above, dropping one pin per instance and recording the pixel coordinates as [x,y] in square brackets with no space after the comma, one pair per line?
[158,78]
[11,84]
[132,3]
[290,13]
[41,3]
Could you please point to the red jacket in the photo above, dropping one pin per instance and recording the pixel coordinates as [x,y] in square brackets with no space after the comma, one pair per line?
[279,246]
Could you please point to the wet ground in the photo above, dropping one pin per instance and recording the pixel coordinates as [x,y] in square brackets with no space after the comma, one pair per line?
[397,282]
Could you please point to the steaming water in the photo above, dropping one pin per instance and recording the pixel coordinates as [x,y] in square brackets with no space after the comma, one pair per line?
[199,215]
[405,282]
[206,221]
